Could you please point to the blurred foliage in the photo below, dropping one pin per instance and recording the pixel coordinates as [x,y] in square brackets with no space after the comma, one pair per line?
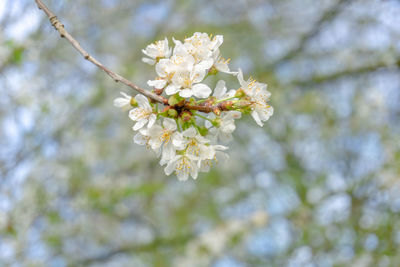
[76,191]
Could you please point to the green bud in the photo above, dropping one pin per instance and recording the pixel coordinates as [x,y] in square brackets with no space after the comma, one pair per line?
[216,122]
[203,130]
[172,113]
[174,99]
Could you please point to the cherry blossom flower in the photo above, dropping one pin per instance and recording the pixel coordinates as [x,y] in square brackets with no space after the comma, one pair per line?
[259,95]
[123,102]
[165,138]
[156,51]
[143,113]
[185,133]
[182,165]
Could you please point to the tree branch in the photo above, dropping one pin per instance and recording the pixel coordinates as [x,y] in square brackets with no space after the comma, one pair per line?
[155,244]
[116,77]
[328,15]
[318,79]
[207,108]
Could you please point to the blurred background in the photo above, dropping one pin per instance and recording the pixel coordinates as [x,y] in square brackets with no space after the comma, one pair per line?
[317,186]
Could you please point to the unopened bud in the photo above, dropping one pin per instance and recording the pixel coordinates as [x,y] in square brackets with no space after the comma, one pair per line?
[186,116]
[172,113]
[216,122]
[203,130]
[173,100]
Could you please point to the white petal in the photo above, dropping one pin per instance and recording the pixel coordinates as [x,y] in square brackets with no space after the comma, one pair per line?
[220,89]
[140,124]
[191,132]
[182,175]
[234,114]
[193,170]
[178,141]
[142,101]
[171,165]
[121,102]
[240,78]
[201,90]
[139,139]
[169,124]
[158,84]
[255,116]
[198,73]
[171,89]
[217,42]
[152,120]
[148,60]
[161,67]
[186,93]
[206,63]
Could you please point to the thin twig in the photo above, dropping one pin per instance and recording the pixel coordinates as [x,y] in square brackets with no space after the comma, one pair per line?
[207,108]
[116,77]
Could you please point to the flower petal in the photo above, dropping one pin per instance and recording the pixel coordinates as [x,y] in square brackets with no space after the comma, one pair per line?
[158,84]
[148,61]
[171,89]
[201,90]
[256,117]
[143,102]
[152,120]
[169,124]
[220,89]
[186,93]
[140,124]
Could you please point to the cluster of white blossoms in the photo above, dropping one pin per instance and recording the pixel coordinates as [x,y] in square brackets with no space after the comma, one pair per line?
[185,130]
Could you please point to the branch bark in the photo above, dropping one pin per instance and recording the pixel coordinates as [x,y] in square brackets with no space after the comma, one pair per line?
[116,77]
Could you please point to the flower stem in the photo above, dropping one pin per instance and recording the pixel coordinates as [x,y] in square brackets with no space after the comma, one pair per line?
[225,99]
[200,116]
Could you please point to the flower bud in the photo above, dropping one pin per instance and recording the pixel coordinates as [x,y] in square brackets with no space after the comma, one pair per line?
[172,113]
[203,130]
[186,116]
[216,122]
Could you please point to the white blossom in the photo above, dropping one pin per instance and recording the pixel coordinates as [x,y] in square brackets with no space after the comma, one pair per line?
[176,133]
[143,113]
[188,83]
[196,145]
[123,102]
[224,126]
[221,64]
[206,164]
[182,165]
[165,138]
[156,51]
[259,95]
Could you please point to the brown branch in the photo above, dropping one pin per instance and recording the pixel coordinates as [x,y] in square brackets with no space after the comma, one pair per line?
[116,77]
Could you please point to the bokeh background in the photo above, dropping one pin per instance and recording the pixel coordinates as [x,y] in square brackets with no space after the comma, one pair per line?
[319,185]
